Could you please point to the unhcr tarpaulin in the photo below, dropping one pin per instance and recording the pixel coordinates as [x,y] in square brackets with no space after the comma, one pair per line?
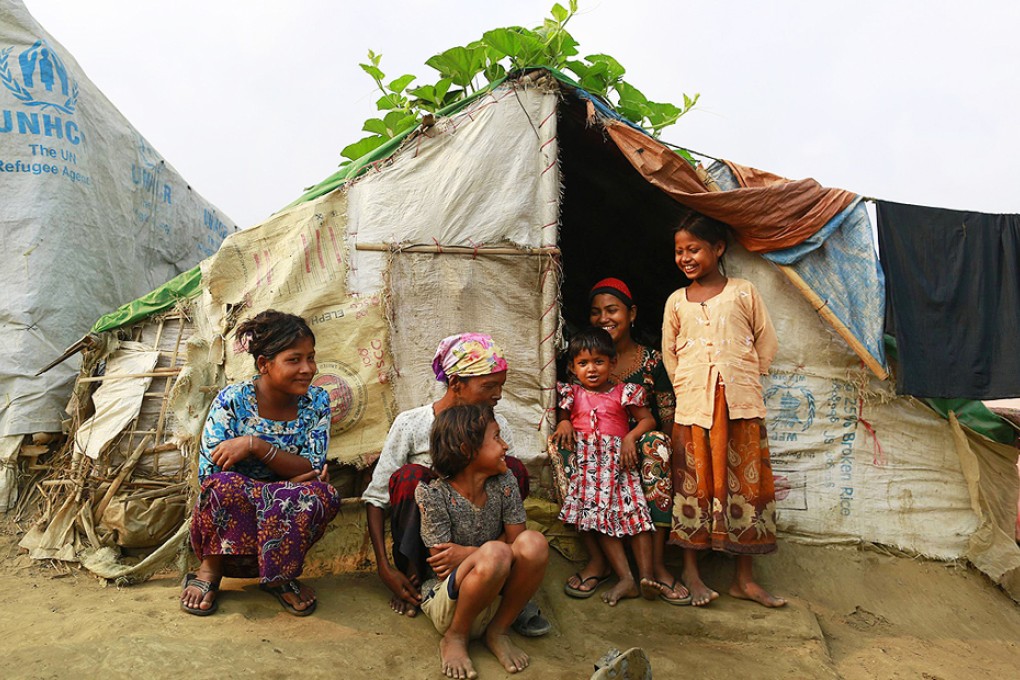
[92,216]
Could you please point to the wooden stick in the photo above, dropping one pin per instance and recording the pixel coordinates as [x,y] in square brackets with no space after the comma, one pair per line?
[454,250]
[126,469]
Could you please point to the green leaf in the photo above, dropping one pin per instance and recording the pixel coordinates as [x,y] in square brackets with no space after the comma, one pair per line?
[388,102]
[375,125]
[573,6]
[425,93]
[442,88]
[578,68]
[398,121]
[401,83]
[361,147]
[459,64]
[373,71]
[614,69]
[630,94]
[494,72]
[520,44]
[562,46]
[559,13]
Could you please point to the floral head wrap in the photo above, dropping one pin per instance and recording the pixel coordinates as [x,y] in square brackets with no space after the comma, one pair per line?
[468,355]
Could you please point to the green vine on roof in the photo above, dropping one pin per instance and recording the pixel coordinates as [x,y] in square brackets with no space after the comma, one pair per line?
[467,69]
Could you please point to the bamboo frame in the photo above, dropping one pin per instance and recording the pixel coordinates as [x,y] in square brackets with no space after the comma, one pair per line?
[454,250]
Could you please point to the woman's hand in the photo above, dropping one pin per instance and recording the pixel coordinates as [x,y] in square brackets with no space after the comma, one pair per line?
[447,557]
[229,452]
[628,452]
[563,436]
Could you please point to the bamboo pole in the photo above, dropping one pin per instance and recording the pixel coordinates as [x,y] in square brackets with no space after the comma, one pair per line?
[166,373]
[454,250]
[822,307]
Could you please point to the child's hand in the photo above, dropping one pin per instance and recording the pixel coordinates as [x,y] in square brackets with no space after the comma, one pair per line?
[563,437]
[628,452]
[448,557]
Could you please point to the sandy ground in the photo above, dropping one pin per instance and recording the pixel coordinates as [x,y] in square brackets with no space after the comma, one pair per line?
[852,614]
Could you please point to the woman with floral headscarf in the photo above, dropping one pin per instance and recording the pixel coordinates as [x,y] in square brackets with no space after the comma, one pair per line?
[473,368]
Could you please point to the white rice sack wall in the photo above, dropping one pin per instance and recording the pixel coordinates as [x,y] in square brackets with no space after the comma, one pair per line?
[485,176]
[92,217]
[852,464]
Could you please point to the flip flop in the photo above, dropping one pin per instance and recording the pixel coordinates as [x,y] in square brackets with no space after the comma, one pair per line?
[677,601]
[530,622]
[206,587]
[581,593]
[291,586]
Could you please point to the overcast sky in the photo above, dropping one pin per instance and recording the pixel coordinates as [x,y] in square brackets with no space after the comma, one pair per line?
[252,101]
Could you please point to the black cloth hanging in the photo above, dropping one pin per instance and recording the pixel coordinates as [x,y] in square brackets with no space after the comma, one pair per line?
[953,288]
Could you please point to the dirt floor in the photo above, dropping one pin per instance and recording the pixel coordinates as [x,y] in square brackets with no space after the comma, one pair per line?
[852,614]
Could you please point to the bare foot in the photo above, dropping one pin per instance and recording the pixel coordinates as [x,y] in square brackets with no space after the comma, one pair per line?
[404,607]
[752,591]
[509,655]
[700,593]
[650,588]
[624,589]
[454,657]
[194,597]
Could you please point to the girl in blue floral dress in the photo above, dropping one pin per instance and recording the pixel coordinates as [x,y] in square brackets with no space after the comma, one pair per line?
[265,497]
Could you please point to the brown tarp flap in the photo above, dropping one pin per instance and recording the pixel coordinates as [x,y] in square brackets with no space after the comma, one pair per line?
[768,213]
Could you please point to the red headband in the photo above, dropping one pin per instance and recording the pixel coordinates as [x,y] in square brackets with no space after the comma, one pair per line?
[613,287]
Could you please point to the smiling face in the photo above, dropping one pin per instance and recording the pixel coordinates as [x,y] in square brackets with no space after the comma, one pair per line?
[592,369]
[612,314]
[696,258]
[491,457]
[291,371]
[482,389]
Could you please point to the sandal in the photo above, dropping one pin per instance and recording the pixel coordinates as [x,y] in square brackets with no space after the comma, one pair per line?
[293,587]
[530,622]
[581,592]
[206,587]
[675,601]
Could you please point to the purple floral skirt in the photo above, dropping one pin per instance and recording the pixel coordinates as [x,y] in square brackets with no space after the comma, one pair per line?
[263,528]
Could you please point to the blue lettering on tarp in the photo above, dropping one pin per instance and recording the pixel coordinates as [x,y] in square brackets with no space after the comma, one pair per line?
[167,196]
[28,123]
[214,223]
[50,126]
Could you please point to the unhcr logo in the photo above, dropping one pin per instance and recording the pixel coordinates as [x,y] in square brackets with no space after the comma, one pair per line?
[44,85]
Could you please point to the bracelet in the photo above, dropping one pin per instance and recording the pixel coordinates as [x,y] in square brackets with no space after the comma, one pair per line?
[271,455]
[250,444]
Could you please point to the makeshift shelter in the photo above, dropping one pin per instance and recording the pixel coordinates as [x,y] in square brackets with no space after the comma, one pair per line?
[500,216]
[92,216]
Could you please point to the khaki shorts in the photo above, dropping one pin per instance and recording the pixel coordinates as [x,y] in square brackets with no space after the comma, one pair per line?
[440,604]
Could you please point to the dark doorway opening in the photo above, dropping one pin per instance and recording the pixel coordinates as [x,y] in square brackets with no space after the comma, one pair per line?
[612,223]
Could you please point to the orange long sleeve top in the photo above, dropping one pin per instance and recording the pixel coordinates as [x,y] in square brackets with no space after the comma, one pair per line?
[729,336]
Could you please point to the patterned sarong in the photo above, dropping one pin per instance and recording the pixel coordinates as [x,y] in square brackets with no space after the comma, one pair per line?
[273,522]
[725,498]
